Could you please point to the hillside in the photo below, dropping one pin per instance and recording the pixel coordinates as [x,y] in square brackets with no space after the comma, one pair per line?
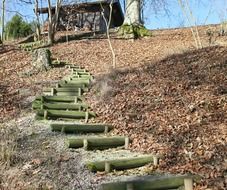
[170,98]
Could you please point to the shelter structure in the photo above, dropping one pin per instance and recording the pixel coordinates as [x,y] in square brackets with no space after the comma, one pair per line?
[87,15]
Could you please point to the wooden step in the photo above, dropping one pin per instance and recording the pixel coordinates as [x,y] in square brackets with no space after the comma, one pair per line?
[81,127]
[62,89]
[62,93]
[69,99]
[119,164]
[152,183]
[57,114]
[97,143]
[59,106]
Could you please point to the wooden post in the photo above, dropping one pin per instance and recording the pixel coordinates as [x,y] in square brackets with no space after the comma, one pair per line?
[57,85]
[108,168]
[106,129]
[52,92]
[86,116]
[129,186]
[45,114]
[155,160]
[188,184]
[63,129]
[76,100]
[79,92]
[85,144]
[126,142]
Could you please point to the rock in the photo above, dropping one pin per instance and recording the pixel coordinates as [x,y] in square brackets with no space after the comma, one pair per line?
[41,59]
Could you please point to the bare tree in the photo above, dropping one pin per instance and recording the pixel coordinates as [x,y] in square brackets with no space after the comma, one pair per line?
[107,23]
[53,20]
[3,21]
[38,30]
[190,17]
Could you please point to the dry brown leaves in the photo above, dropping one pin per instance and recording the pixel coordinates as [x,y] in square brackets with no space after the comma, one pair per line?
[177,108]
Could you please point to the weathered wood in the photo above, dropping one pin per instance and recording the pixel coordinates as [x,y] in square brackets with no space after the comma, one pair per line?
[64,114]
[120,164]
[79,82]
[147,183]
[97,143]
[59,106]
[60,98]
[188,184]
[65,85]
[63,93]
[62,89]
[80,127]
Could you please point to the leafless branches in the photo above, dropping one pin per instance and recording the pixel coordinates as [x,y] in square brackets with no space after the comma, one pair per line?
[108,31]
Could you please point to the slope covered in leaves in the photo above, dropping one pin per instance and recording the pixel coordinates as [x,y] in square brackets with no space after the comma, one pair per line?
[176,107]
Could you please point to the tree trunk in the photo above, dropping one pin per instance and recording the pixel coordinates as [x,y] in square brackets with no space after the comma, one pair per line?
[53,19]
[133,25]
[133,13]
[38,31]
[3,20]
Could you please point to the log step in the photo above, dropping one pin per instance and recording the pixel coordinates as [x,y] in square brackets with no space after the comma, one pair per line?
[98,143]
[80,128]
[62,89]
[152,183]
[76,81]
[59,106]
[62,94]
[119,164]
[69,99]
[56,114]
[72,66]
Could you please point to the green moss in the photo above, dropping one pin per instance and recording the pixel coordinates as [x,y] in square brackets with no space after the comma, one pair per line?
[135,31]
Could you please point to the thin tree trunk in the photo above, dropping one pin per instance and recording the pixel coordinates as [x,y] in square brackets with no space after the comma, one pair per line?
[38,31]
[3,20]
[53,19]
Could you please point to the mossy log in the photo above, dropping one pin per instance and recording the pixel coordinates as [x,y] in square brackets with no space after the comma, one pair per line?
[59,106]
[72,66]
[79,70]
[68,99]
[81,77]
[120,164]
[65,84]
[62,94]
[70,80]
[70,86]
[147,183]
[96,143]
[55,114]
[81,73]
[80,128]
[62,89]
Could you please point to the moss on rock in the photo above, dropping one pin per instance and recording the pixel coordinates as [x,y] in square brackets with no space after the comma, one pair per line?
[134,31]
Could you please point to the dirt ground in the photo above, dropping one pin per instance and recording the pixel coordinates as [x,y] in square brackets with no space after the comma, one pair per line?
[167,96]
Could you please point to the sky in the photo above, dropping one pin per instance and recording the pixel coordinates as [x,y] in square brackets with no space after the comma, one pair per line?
[204,11]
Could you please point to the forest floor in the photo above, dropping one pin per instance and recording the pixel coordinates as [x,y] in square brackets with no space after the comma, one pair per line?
[170,98]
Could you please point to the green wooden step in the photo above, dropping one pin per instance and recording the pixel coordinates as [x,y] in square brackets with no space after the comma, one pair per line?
[57,114]
[119,164]
[59,106]
[97,143]
[69,99]
[151,183]
[81,127]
